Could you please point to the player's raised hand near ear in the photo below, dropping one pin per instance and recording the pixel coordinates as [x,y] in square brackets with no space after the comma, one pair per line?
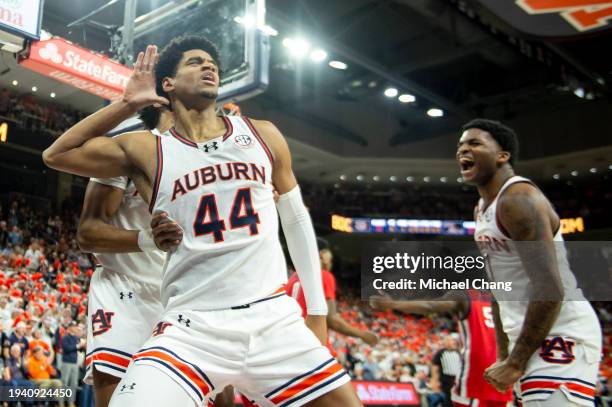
[140,90]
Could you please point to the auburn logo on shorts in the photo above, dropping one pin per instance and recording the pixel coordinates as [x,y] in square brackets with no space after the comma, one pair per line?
[101,322]
[583,15]
[558,350]
[160,328]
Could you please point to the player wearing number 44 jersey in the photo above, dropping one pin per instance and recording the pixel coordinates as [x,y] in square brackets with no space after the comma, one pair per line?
[548,346]
[227,319]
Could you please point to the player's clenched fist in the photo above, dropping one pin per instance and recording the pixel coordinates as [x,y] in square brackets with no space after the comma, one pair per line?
[502,375]
[167,233]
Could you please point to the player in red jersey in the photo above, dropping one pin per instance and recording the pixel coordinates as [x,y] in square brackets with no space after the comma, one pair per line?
[334,319]
[473,312]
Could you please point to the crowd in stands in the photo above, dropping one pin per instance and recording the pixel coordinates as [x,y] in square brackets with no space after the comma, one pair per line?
[44,281]
[30,113]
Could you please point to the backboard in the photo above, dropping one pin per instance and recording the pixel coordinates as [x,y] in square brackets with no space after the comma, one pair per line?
[244,48]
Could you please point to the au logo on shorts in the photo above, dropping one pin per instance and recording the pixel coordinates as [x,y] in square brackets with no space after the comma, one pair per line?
[558,350]
[243,141]
[101,322]
[160,328]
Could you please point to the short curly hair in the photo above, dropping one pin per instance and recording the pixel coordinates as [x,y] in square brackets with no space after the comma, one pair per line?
[150,117]
[504,135]
[171,55]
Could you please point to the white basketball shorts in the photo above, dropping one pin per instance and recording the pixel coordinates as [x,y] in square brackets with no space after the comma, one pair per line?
[264,349]
[120,317]
[561,364]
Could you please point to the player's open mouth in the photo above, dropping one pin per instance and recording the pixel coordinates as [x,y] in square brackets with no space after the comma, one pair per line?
[467,165]
[209,78]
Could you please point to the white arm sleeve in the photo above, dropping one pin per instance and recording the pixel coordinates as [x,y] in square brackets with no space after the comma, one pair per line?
[302,245]
[120,182]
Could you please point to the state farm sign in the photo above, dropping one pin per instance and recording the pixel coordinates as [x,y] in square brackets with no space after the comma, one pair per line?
[383,393]
[61,60]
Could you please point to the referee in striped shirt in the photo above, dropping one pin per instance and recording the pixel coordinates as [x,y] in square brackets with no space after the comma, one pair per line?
[445,366]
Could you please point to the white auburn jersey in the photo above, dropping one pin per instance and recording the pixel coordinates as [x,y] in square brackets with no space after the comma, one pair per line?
[220,192]
[576,318]
[133,214]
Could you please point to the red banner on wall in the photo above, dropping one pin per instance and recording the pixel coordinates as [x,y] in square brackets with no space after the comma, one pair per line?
[61,60]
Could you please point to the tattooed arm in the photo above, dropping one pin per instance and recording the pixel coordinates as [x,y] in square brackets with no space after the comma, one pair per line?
[501,339]
[527,216]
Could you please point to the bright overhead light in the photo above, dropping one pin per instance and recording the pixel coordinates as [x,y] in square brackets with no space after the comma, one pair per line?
[443,179]
[52,94]
[593,170]
[336,185]
[318,55]
[343,177]
[556,176]
[409,179]
[372,84]
[392,178]
[338,65]
[574,173]
[406,98]
[434,112]
[269,30]
[426,179]
[15,82]
[460,180]
[298,47]
[359,177]
[248,21]
[391,92]
[579,92]
[34,88]
[376,178]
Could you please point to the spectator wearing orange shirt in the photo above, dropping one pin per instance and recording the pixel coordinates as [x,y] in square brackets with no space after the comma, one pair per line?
[40,370]
[37,341]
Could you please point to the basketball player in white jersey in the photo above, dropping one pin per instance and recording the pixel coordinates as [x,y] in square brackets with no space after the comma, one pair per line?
[227,319]
[124,294]
[548,346]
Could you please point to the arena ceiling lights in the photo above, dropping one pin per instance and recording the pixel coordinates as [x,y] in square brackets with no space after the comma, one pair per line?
[406,98]
[300,47]
[338,65]
[391,92]
[435,112]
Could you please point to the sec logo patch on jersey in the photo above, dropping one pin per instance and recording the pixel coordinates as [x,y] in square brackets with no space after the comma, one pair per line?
[243,141]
